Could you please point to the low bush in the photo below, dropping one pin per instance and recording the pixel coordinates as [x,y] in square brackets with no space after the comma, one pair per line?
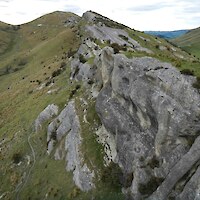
[197,83]
[112,175]
[116,47]
[17,157]
[188,72]
[150,186]
[56,72]
[73,92]
[123,37]
[70,53]
[82,58]
[63,64]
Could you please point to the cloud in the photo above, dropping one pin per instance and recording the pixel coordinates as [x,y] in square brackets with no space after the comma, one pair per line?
[150,7]
[141,15]
[72,8]
[192,9]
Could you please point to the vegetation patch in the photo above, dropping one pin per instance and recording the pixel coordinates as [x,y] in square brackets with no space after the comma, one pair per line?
[112,175]
[188,72]
[82,59]
[116,47]
[150,186]
[17,157]
[124,37]
[196,84]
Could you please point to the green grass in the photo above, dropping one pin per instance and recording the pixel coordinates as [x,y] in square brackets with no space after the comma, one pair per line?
[168,55]
[21,101]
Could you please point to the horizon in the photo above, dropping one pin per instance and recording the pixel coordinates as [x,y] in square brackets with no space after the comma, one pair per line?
[98,13]
[162,15]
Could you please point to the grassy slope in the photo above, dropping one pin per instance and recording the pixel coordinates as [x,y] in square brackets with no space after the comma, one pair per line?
[190,42]
[41,49]
[32,54]
[178,57]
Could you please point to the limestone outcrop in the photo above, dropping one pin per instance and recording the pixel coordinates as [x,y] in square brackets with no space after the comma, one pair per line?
[153,112]
[64,131]
[49,112]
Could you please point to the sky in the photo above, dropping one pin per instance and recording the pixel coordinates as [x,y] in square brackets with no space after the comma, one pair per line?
[143,15]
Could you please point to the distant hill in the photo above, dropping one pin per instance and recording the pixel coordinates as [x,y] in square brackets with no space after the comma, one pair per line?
[190,41]
[167,34]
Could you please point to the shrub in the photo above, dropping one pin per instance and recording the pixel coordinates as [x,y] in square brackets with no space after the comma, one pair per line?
[112,175]
[39,82]
[56,72]
[150,186]
[48,83]
[168,48]
[188,72]
[78,87]
[63,64]
[76,71]
[123,37]
[197,83]
[73,92]
[54,135]
[90,82]
[116,47]
[70,53]
[17,157]
[74,193]
[82,58]
[127,180]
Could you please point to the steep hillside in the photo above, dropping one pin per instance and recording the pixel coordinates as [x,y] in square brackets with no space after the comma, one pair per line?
[91,109]
[190,42]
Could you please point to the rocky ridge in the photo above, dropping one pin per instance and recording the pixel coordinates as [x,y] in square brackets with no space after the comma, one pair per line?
[149,115]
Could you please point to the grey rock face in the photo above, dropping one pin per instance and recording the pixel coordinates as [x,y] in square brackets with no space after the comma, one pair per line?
[71,21]
[153,113]
[89,16]
[83,71]
[191,190]
[49,112]
[175,174]
[65,131]
[105,33]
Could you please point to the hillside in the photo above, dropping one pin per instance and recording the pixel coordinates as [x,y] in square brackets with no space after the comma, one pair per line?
[91,109]
[167,34]
[190,42]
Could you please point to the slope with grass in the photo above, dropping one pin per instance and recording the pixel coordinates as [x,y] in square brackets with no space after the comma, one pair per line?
[33,53]
[190,42]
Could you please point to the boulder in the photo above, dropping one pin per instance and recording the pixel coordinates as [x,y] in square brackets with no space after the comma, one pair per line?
[49,112]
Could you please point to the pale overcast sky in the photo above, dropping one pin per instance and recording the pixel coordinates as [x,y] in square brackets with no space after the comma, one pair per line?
[138,14]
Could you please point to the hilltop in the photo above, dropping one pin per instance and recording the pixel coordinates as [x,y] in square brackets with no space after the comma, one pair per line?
[92,109]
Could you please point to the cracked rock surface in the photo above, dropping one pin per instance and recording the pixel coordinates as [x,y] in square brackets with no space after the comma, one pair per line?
[153,112]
